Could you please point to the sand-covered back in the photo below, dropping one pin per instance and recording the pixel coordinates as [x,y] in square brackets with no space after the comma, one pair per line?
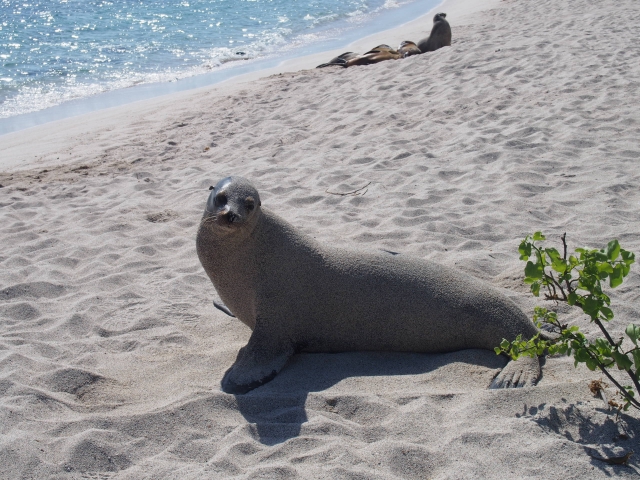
[111,351]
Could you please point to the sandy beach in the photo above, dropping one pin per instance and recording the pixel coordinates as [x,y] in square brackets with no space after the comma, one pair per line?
[111,352]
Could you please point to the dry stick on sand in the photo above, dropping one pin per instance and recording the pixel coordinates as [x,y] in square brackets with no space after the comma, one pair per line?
[353,192]
[622,460]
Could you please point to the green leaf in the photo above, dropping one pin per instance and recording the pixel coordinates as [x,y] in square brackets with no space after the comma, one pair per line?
[633,331]
[623,362]
[553,254]
[627,257]
[613,250]
[590,306]
[525,250]
[600,256]
[603,347]
[538,236]
[591,364]
[572,298]
[533,270]
[635,353]
[535,289]
[615,278]
[582,355]
[505,344]
[607,312]
[605,267]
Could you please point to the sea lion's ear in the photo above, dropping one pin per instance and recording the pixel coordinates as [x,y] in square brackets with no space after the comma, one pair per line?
[212,187]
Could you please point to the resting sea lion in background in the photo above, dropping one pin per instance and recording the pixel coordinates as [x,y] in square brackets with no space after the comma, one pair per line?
[440,35]
[375,55]
[408,48]
[299,296]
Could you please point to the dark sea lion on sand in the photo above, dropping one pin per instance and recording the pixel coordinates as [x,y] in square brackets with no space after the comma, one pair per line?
[299,296]
[375,55]
[408,48]
[440,35]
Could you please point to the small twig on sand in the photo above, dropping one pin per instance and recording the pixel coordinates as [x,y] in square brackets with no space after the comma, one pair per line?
[621,460]
[354,192]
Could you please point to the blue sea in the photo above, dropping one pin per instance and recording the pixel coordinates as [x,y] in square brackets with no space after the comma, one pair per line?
[56,51]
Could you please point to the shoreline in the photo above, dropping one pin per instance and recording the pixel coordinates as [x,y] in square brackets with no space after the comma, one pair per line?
[230,72]
[32,147]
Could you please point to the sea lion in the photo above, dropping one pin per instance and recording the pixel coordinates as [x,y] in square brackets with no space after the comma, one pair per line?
[440,35]
[375,55]
[408,48]
[299,296]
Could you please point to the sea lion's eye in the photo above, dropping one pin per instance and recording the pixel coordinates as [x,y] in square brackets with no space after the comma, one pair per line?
[251,203]
[221,199]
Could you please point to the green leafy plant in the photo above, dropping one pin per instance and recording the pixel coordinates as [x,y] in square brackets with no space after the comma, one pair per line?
[578,280]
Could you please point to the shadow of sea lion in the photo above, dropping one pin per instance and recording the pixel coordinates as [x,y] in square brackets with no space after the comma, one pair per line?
[601,433]
[278,408]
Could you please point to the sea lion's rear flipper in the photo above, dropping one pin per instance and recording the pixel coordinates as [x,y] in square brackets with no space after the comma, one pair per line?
[339,61]
[223,308]
[524,372]
[257,362]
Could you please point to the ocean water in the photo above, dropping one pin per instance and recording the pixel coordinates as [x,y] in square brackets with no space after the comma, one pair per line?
[53,51]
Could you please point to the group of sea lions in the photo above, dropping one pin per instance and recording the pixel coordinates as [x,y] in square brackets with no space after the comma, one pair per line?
[440,37]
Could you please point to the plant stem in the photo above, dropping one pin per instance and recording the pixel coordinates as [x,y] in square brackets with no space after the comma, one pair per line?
[622,390]
[614,345]
[604,330]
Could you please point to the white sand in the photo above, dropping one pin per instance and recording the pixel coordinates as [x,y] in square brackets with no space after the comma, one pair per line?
[112,353]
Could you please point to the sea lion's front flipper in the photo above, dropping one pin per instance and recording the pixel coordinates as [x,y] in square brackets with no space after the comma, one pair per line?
[257,362]
[223,308]
[524,372]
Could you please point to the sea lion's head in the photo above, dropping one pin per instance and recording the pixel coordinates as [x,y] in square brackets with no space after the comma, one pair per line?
[233,205]
[408,48]
[439,17]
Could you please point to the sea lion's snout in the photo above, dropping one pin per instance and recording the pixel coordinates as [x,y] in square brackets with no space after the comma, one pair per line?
[229,218]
